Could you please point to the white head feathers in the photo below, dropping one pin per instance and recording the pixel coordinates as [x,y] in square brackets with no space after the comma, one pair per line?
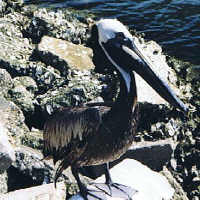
[108,27]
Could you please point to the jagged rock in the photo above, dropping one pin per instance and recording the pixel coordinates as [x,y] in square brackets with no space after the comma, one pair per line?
[27,82]
[13,125]
[3,181]
[7,155]
[3,5]
[193,73]
[17,52]
[33,139]
[82,87]
[23,98]
[62,23]
[6,82]
[30,168]
[13,120]
[11,58]
[179,193]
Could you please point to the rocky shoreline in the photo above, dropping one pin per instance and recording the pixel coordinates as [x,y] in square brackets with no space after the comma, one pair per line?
[36,75]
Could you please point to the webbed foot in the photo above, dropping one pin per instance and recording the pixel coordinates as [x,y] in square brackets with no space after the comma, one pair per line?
[91,194]
[116,190]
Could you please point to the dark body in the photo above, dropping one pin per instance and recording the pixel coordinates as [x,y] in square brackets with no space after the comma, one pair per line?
[84,136]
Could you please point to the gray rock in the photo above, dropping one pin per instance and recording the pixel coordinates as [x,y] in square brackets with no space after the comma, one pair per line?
[14,127]
[23,98]
[193,73]
[6,82]
[149,184]
[3,5]
[29,165]
[7,155]
[27,82]
[3,181]
[30,170]
[13,119]
[179,192]
[62,23]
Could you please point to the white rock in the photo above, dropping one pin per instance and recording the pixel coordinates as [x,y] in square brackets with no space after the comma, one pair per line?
[149,184]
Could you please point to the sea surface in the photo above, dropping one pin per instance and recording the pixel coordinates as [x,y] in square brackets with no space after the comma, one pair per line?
[174,24]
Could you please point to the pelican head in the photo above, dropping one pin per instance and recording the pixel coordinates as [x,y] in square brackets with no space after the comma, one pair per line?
[124,52]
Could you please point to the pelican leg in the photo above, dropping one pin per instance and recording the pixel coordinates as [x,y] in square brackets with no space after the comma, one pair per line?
[122,188]
[85,193]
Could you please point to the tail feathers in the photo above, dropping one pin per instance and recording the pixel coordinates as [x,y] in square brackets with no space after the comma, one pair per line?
[62,166]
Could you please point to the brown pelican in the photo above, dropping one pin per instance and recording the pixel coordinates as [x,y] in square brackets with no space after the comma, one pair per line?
[83,136]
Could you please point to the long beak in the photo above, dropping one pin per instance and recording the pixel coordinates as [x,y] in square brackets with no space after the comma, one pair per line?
[135,60]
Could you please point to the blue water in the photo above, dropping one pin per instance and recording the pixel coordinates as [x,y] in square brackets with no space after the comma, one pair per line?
[174,24]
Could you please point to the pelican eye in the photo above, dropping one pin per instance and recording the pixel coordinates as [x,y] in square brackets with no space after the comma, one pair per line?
[119,35]
[122,39]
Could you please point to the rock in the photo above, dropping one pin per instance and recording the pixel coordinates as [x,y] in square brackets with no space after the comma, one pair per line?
[179,193]
[98,190]
[3,181]
[3,5]
[30,168]
[42,192]
[23,98]
[147,153]
[60,23]
[11,58]
[149,184]
[76,56]
[193,73]
[7,155]
[27,82]
[17,52]
[13,120]
[14,127]
[33,139]
[6,82]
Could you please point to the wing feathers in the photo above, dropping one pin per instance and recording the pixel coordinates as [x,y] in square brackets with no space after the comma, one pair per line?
[69,125]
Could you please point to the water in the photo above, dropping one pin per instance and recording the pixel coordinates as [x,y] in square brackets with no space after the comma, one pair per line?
[174,24]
